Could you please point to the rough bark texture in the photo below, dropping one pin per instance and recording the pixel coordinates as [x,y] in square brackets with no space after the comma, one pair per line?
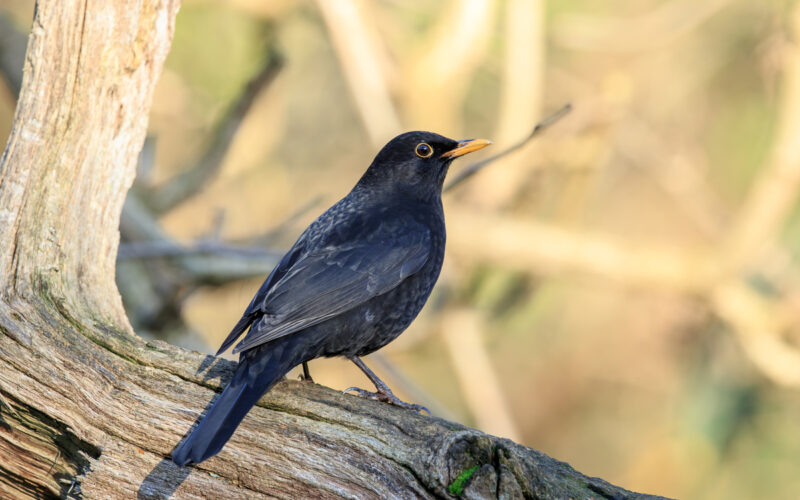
[91,410]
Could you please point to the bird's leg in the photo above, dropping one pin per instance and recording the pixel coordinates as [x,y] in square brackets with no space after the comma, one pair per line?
[306,376]
[383,392]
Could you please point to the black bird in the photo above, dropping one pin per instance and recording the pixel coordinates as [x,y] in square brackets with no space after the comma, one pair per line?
[353,281]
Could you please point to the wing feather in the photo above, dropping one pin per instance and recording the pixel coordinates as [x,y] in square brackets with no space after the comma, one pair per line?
[333,279]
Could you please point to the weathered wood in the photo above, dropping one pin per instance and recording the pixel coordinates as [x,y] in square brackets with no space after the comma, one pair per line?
[120,408]
[88,80]
[94,409]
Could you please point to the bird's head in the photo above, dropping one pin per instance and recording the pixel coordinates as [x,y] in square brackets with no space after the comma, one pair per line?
[417,162]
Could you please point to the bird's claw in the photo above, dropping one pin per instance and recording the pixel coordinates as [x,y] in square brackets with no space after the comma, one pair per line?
[303,378]
[387,397]
[362,393]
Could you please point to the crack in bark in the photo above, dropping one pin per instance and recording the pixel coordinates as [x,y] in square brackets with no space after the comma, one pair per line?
[73,454]
[23,485]
[75,80]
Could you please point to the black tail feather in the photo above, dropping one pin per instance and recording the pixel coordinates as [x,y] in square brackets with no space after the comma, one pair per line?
[249,383]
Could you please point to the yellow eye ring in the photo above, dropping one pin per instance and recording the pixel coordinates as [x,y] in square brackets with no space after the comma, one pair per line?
[424,150]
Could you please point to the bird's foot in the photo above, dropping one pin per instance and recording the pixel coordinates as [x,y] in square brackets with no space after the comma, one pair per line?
[306,375]
[387,396]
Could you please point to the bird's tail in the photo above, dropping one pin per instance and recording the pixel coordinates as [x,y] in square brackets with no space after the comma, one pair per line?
[253,377]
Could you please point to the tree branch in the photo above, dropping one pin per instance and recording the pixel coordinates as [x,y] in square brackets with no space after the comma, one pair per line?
[191,180]
[476,167]
[97,408]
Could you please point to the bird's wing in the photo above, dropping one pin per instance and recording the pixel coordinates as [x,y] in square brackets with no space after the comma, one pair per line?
[336,278]
[253,311]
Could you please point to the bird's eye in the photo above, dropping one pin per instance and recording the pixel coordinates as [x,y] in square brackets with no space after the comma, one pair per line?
[424,150]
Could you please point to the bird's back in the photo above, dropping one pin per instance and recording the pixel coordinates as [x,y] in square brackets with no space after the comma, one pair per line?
[386,251]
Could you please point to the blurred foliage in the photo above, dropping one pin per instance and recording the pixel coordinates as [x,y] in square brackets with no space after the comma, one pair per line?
[636,297]
[212,69]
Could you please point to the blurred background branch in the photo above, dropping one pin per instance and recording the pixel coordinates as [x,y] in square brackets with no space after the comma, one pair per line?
[774,192]
[193,178]
[358,48]
[521,94]
[657,28]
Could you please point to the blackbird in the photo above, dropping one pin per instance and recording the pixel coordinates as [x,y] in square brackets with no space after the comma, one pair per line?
[353,281]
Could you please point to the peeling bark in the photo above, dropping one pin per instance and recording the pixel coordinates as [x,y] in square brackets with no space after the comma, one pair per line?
[91,410]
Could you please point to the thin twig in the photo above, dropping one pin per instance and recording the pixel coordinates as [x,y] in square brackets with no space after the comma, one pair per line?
[480,165]
[208,262]
[191,180]
[267,238]
[166,248]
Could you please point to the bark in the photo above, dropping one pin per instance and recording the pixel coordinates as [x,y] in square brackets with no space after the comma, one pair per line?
[91,410]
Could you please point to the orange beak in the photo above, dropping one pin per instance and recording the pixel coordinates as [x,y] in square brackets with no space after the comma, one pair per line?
[465,147]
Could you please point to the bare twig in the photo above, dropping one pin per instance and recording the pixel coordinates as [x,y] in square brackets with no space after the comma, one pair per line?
[191,180]
[166,248]
[476,167]
[206,262]
[267,238]
[154,293]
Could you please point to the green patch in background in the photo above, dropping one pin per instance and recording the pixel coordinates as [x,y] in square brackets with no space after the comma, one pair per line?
[739,138]
[216,49]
